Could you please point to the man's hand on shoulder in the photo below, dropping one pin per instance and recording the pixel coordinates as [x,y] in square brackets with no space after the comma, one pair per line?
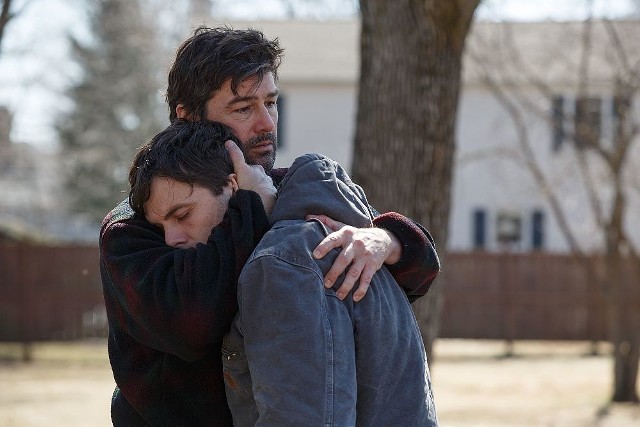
[364,250]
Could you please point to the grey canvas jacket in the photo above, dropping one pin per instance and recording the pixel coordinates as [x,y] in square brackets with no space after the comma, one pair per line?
[301,344]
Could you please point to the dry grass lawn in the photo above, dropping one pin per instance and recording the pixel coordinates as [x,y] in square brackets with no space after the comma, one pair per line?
[544,384]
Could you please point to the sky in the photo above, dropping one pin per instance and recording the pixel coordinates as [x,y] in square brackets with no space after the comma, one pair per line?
[35,66]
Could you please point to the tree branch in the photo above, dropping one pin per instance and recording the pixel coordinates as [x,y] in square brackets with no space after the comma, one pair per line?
[5,17]
[529,158]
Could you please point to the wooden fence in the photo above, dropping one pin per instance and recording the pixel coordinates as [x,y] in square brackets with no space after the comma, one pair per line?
[51,293]
[525,296]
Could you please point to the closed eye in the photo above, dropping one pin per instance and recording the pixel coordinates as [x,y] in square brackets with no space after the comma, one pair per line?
[243,110]
[183,216]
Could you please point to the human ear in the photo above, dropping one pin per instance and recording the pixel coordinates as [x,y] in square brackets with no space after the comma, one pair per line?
[181,112]
[233,181]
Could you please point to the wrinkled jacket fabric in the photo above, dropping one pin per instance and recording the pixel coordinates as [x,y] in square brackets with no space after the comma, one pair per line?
[296,354]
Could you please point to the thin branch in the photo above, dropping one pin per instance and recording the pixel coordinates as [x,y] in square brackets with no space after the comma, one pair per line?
[518,65]
[591,143]
[5,17]
[583,70]
[583,78]
[592,195]
[617,45]
[529,157]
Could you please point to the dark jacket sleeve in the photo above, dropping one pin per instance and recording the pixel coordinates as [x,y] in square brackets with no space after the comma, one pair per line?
[173,300]
[419,264]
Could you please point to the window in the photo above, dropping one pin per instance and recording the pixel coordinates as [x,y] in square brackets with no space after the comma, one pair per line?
[508,227]
[587,122]
[537,230]
[621,118]
[479,229]
[557,121]
[281,120]
[597,121]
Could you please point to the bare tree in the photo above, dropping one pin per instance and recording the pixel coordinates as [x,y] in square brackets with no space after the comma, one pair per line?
[411,58]
[604,163]
[9,12]
[5,16]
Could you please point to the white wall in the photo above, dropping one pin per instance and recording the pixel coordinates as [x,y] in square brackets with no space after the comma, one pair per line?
[318,119]
[490,172]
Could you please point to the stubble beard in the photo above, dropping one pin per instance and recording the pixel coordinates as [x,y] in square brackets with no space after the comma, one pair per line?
[266,160]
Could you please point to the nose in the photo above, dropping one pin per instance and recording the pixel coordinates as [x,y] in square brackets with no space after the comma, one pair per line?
[175,237]
[267,120]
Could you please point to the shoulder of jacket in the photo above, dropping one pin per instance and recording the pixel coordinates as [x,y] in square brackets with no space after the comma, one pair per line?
[121,213]
[291,242]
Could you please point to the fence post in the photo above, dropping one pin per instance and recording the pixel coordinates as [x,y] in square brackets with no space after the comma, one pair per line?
[507,300]
[24,280]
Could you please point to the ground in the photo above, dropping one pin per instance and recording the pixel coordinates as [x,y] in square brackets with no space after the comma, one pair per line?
[542,384]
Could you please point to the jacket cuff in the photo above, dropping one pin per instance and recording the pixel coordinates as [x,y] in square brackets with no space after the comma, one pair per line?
[419,264]
[412,237]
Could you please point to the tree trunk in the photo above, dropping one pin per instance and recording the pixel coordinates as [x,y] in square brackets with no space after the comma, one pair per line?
[624,321]
[624,330]
[411,54]
[626,353]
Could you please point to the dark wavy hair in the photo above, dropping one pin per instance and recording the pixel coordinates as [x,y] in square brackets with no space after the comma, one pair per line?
[190,152]
[211,57]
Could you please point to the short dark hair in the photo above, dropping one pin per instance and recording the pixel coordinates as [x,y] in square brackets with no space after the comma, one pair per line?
[212,56]
[190,152]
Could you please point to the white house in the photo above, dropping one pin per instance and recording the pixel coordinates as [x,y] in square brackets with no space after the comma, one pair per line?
[496,204]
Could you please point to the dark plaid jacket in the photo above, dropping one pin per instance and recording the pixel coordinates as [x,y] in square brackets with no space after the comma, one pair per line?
[169,308]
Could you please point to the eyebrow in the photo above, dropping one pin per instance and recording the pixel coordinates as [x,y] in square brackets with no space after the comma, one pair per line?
[249,98]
